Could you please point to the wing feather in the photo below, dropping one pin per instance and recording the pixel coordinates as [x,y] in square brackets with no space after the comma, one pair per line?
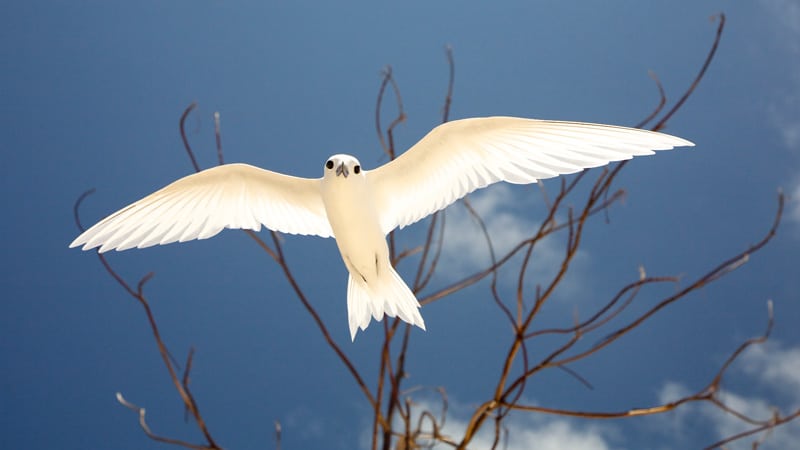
[201,205]
[459,157]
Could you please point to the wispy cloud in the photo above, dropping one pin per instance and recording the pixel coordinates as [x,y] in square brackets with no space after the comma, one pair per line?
[772,367]
[785,110]
[794,201]
[776,366]
[527,432]
[787,14]
[510,217]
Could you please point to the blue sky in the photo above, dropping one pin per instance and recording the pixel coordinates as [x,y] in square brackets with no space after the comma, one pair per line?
[91,96]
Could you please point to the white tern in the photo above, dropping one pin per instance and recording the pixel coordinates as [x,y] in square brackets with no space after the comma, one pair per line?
[359,207]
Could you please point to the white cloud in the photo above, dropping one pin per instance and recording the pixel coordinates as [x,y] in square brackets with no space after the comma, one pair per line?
[304,423]
[526,431]
[728,425]
[510,217]
[691,425]
[771,365]
[465,247]
[785,110]
[777,366]
[785,15]
[794,202]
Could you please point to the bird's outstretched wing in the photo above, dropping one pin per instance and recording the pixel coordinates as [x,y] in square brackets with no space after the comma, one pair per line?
[201,205]
[458,157]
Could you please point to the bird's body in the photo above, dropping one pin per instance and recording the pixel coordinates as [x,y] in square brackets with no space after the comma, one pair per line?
[373,287]
[359,207]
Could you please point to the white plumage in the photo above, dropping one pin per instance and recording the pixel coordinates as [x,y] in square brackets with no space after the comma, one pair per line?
[359,207]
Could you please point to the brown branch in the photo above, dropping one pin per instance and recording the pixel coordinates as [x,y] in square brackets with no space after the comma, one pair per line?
[425,274]
[255,237]
[388,143]
[384,366]
[771,424]
[185,379]
[599,190]
[448,99]
[708,393]
[421,281]
[573,242]
[182,127]
[218,138]
[709,57]
[405,254]
[662,101]
[388,149]
[277,435]
[138,294]
[709,277]
[320,324]
[146,428]
[545,229]
[601,414]
[395,379]
[595,321]
[720,270]
[425,270]
[278,256]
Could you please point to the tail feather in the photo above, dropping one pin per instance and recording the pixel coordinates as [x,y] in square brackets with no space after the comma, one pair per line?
[390,296]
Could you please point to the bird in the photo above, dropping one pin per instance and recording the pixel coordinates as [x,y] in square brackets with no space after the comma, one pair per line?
[360,207]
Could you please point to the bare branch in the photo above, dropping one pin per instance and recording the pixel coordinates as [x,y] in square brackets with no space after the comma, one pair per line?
[76,207]
[388,143]
[773,423]
[182,127]
[388,148]
[722,269]
[146,428]
[218,136]
[277,435]
[710,57]
[662,100]
[320,324]
[448,99]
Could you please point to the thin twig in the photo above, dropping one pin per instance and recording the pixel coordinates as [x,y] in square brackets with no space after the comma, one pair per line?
[146,428]
[277,435]
[218,138]
[720,270]
[662,100]
[710,57]
[182,127]
[448,99]
[138,294]
[388,143]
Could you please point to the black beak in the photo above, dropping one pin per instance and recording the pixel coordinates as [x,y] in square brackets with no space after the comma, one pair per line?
[342,170]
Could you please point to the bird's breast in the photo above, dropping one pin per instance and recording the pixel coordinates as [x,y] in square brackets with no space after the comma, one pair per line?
[354,220]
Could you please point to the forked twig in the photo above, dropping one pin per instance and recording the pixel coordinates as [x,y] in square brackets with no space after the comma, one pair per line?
[189,402]
[182,127]
[662,101]
[709,57]
[506,396]
[146,428]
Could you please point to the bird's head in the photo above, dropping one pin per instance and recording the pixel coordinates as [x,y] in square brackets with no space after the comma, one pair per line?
[342,165]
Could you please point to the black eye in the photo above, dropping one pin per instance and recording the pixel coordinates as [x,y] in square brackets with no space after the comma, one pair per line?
[356,169]
[329,164]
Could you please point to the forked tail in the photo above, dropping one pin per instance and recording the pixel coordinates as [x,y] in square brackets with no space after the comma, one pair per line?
[390,296]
